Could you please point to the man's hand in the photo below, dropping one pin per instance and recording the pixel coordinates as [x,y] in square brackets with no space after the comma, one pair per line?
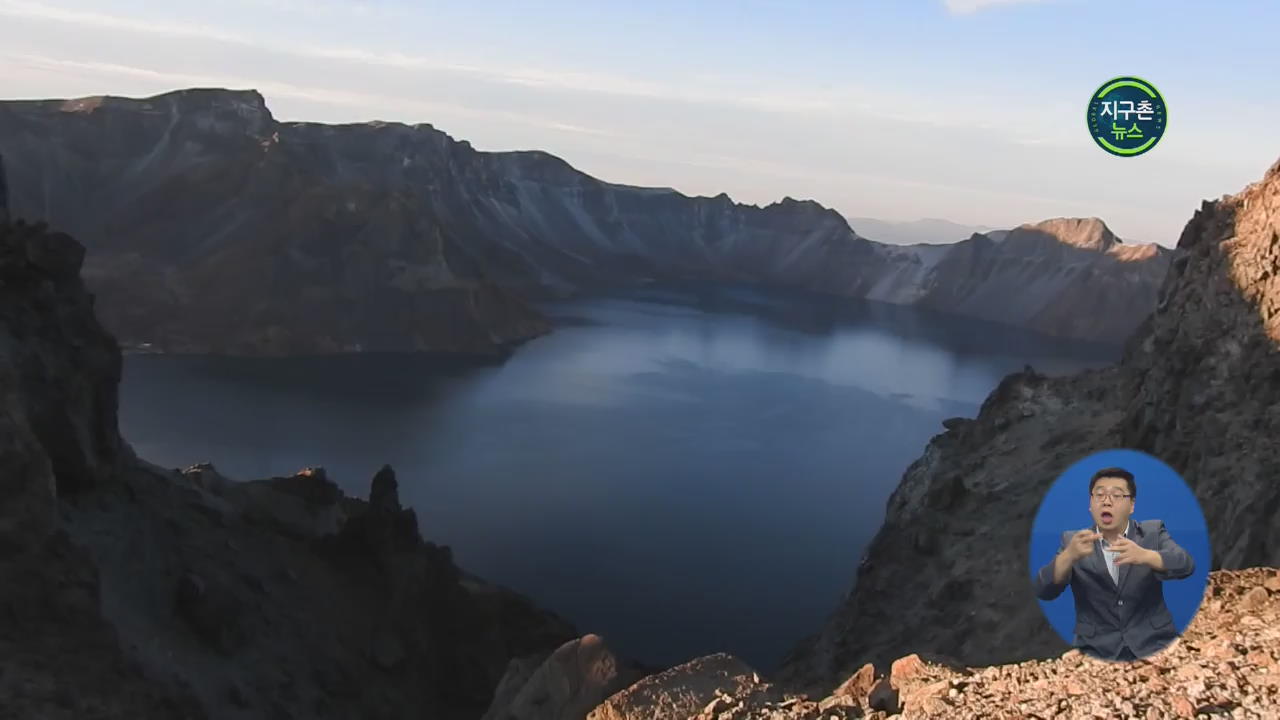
[1128,552]
[1081,544]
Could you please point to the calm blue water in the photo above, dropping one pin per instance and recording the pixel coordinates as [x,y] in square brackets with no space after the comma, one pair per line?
[681,472]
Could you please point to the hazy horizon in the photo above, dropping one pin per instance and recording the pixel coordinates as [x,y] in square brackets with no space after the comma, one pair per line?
[965,110]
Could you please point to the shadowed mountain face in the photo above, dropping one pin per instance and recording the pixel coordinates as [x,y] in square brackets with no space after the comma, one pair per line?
[1199,387]
[213,227]
[1067,277]
[130,590]
[208,232]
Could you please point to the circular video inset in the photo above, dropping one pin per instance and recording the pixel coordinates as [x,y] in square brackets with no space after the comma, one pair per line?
[1120,555]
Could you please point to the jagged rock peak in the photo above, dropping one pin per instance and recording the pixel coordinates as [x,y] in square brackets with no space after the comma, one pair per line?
[59,372]
[1087,233]
[384,494]
[794,204]
[809,210]
[1195,235]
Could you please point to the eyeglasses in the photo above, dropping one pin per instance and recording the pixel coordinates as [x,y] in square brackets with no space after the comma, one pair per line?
[1115,496]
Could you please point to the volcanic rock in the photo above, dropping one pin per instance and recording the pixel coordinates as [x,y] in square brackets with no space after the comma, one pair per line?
[213,227]
[1198,387]
[130,590]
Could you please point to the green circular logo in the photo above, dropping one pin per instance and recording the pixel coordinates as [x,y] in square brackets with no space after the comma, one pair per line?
[1127,116]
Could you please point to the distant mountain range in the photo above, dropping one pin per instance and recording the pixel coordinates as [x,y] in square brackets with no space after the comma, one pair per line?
[213,227]
[913,232]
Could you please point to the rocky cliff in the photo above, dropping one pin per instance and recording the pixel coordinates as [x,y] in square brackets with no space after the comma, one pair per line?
[1070,277]
[129,590]
[212,227]
[1226,664]
[59,373]
[1199,387]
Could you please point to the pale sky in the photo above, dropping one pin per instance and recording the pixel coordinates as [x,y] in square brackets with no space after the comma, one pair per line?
[969,110]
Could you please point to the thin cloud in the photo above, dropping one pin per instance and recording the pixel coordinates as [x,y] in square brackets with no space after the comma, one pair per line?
[787,101]
[580,130]
[532,77]
[38,11]
[269,89]
[966,7]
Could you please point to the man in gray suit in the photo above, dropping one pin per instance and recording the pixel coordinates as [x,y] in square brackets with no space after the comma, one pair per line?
[1115,570]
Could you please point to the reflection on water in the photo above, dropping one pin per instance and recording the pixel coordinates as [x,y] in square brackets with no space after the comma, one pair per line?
[680,471]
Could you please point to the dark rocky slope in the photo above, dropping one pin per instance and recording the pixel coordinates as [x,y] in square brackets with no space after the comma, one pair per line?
[1199,387]
[59,657]
[1225,665]
[128,590]
[213,227]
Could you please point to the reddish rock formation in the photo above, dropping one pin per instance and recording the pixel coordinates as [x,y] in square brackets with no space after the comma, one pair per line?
[707,685]
[1226,664]
[576,678]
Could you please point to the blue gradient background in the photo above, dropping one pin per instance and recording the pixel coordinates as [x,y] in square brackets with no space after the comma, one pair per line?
[1162,494]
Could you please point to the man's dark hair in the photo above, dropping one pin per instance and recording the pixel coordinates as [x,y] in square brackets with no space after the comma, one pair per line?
[1115,472]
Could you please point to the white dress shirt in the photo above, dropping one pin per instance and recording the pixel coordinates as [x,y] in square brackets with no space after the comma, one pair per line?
[1110,556]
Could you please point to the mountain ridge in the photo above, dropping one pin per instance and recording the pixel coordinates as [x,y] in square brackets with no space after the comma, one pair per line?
[1196,388]
[213,227]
